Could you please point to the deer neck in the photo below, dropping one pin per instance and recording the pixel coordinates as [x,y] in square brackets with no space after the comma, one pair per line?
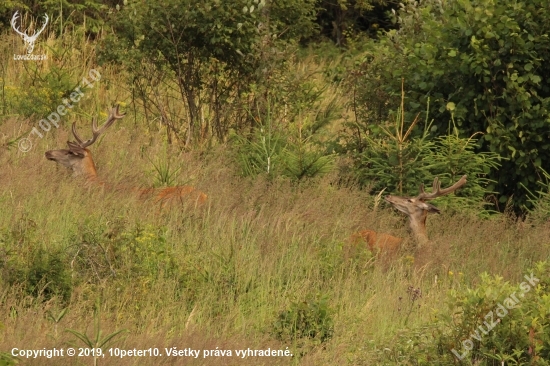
[418,227]
[87,169]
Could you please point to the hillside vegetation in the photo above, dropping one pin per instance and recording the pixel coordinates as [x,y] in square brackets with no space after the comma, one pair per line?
[295,139]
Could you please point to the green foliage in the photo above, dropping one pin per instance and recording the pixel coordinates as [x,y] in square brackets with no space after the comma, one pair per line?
[393,158]
[494,322]
[343,19]
[164,174]
[540,200]
[40,89]
[487,58]
[290,119]
[62,13]
[7,359]
[389,158]
[48,275]
[303,159]
[43,95]
[114,251]
[278,151]
[41,274]
[261,152]
[98,341]
[293,20]
[215,55]
[26,264]
[189,43]
[309,319]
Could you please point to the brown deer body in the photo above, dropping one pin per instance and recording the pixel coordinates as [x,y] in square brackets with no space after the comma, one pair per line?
[377,242]
[78,158]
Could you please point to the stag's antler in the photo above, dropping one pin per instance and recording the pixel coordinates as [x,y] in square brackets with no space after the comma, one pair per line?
[13,20]
[437,191]
[113,116]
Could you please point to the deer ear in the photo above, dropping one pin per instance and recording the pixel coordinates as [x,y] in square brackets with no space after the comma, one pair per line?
[432,209]
[80,154]
[76,150]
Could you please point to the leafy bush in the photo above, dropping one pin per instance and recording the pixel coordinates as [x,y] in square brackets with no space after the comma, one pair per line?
[493,323]
[26,264]
[309,319]
[291,114]
[395,159]
[539,211]
[43,95]
[276,153]
[7,359]
[213,55]
[39,273]
[486,57]
[115,251]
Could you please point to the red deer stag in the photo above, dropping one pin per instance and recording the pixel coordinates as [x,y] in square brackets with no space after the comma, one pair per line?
[417,209]
[79,159]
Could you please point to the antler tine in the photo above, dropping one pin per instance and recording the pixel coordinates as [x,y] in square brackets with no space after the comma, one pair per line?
[113,116]
[437,191]
[77,138]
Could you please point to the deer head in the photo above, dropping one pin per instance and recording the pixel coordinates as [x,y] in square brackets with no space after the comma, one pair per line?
[28,39]
[418,209]
[77,157]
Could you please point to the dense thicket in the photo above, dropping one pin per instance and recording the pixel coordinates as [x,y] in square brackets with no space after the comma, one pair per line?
[483,63]
[210,68]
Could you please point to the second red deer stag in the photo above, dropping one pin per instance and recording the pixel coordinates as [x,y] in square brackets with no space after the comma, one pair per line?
[78,158]
[417,209]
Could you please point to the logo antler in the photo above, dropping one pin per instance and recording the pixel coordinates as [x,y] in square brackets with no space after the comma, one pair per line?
[29,40]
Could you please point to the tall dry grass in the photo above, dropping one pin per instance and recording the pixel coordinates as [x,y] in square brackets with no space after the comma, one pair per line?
[253,249]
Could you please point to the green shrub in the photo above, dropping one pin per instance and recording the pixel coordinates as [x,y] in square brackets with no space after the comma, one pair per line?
[26,264]
[309,319]
[539,210]
[39,94]
[487,58]
[395,159]
[493,323]
[102,252]
[292,148]
[7,360]
[40,273]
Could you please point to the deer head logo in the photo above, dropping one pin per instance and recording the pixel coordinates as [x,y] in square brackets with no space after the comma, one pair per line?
[29,40]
